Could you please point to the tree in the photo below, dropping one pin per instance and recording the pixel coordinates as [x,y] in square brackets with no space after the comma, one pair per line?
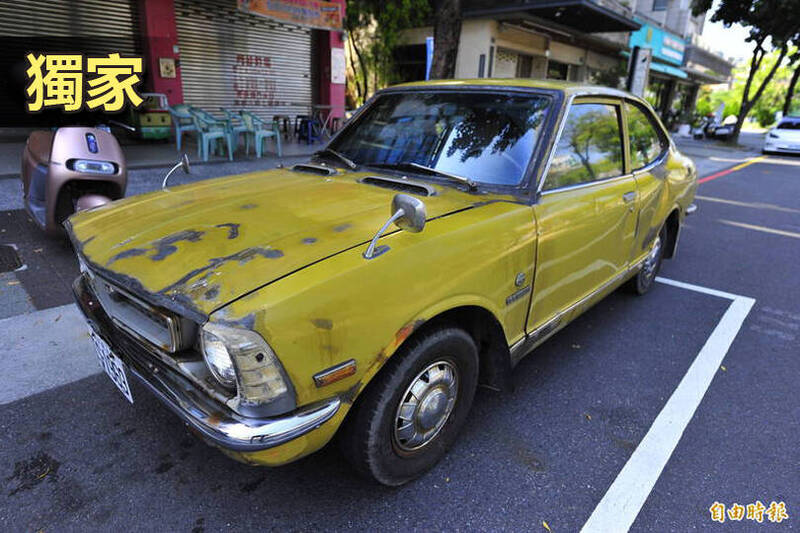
[787,102]
[374,29]
[773,25]
[446,34]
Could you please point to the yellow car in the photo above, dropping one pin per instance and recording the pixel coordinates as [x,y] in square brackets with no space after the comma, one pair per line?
[444,233]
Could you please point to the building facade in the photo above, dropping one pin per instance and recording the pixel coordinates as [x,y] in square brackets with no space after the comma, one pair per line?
[272,58]
[586,41]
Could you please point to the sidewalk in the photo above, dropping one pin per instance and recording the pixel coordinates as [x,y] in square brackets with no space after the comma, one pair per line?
[158,154]
[711,156]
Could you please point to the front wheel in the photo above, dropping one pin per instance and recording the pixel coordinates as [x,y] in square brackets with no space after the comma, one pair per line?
[643,281]
[410,415]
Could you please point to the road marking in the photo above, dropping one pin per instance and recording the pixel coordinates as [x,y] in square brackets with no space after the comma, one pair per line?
[733,169]
[43,350]
[623,500]
[754,205]
[761,228]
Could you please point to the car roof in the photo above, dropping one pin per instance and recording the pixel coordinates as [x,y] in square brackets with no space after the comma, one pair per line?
[568,88]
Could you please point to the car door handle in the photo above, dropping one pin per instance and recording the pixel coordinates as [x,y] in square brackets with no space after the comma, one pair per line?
[629,196]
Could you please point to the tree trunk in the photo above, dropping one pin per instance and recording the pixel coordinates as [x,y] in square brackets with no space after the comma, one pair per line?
[787,104]
[747,102]
[446,34]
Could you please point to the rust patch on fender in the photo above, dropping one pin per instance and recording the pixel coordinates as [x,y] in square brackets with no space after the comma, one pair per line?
[404,332]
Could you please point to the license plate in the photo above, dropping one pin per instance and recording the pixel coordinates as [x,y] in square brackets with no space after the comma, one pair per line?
[112,365]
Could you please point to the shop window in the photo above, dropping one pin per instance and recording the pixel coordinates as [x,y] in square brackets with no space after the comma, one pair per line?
[645,142]
[590,147]
[524,66]
[557,70]
[660,5]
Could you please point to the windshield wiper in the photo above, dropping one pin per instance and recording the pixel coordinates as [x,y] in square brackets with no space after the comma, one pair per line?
[341,157]
[430,170]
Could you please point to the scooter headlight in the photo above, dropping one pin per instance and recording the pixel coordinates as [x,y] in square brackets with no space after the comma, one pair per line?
[90,166]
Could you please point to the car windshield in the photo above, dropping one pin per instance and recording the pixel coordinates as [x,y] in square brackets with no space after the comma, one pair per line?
[789,125]
[485,137]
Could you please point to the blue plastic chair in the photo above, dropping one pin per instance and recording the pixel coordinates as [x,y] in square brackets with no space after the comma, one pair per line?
[237,127]
[257,127]
[210,128]
[183,121]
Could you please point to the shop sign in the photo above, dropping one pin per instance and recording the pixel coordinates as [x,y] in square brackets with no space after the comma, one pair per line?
[311,13]
[666,47]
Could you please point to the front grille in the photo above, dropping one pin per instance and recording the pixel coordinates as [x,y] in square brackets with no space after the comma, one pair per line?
[140,319]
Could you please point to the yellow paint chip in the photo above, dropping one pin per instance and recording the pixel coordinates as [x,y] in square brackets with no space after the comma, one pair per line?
[544,525]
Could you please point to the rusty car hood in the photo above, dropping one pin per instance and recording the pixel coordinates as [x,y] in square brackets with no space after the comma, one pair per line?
[196,247]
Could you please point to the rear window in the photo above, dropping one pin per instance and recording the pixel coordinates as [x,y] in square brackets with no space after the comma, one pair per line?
[789,125]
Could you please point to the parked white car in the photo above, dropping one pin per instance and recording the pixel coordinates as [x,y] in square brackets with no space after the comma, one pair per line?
[785,137]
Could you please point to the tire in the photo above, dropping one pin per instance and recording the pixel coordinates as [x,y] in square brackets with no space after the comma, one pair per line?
[377,440]
[643,281]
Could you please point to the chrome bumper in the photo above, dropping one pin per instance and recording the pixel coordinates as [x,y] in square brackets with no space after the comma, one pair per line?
[214,422]
[692,209]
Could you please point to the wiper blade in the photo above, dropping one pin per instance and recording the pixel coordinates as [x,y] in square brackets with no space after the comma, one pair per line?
[341,157]
[430,170]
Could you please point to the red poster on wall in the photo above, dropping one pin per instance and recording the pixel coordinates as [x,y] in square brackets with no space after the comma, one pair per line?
[312,13]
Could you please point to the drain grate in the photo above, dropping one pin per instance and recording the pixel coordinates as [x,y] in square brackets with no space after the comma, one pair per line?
[9,259]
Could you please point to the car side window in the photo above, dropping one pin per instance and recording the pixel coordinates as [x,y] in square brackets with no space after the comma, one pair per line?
[646,144]
[590,147]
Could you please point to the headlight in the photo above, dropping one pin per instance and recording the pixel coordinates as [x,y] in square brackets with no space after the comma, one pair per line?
[774,135]
[218,359]
[237,356]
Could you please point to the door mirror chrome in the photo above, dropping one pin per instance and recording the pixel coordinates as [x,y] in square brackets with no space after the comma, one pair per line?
[408,213]
[413,212]
[183,164]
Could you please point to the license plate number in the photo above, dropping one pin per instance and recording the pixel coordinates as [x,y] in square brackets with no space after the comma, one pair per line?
[112,365]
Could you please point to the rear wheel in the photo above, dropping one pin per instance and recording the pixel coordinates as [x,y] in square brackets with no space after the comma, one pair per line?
[643,281]
[411,414]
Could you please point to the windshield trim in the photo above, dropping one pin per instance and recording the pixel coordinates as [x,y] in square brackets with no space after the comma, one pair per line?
[522,189]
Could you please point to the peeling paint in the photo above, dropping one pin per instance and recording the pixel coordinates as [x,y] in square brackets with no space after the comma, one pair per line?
[249,206]
[342,227]
[132,252]
[322,323]
[309,240]
[233,229]
[212,293]
[166,245]
[242,256]
[349,396]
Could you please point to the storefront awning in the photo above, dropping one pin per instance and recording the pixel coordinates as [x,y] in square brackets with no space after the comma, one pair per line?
[583,15]
[669,70]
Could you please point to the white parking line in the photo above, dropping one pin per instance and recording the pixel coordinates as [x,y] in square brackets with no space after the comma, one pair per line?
[623,500]
[43,350]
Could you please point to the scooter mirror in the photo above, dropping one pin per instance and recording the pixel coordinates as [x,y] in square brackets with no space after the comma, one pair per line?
[183,163]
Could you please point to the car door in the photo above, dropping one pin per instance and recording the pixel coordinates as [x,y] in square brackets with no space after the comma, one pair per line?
[585,210]
[649,155]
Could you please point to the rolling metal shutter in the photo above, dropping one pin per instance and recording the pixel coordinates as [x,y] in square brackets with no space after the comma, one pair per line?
[241,61]
[85,26]
[91,27]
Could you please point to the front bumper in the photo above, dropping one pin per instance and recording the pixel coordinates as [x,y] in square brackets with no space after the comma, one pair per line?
[217,424]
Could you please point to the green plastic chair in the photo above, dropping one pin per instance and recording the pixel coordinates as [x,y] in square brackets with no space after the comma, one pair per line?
[237,127]
[210,128]
[257,127]
[183,120]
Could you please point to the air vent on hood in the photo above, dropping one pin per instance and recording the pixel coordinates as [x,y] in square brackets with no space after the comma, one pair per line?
[397,184]
[311,168]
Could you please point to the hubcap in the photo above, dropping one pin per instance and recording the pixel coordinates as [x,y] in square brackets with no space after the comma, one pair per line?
[425,406]
[649,266]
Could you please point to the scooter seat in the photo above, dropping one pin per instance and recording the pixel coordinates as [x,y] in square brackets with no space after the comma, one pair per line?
[40,143]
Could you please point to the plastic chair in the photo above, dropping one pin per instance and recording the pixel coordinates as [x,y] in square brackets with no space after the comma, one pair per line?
[183,120]
[310,130]
[237,127]
[256,127]
[210,128]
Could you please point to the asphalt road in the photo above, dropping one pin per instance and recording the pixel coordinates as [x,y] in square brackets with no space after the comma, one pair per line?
[74,455]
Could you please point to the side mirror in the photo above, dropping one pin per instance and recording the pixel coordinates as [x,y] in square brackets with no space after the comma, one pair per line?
[408,213]
[183,163]
[413,217]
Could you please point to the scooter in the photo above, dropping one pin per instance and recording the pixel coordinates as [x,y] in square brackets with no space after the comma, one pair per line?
[72,169]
